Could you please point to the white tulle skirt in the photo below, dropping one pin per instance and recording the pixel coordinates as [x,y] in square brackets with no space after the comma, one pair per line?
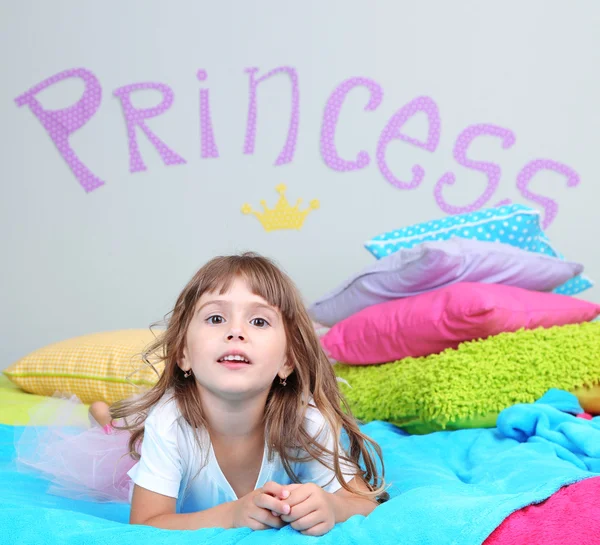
[80,458]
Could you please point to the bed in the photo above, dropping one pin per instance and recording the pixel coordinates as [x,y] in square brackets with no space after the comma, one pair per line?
[532,479]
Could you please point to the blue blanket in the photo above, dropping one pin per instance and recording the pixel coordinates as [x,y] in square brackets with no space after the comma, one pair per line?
[447,487]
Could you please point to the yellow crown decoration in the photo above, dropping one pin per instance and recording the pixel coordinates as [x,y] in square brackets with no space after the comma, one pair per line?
[283,216]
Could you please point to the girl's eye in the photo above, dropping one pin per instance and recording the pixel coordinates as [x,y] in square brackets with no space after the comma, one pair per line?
[215,320]
[259,322]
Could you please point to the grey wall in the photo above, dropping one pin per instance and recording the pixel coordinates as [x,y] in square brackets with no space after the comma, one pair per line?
[76,262]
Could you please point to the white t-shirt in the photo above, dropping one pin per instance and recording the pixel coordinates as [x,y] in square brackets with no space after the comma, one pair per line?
[171,460]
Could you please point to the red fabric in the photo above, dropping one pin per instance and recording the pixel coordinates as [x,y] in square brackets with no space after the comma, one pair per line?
[571,516]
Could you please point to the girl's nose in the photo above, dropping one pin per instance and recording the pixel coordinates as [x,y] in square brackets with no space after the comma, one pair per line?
[235,334]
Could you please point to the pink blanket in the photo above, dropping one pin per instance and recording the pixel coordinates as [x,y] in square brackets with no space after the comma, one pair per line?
[570,516]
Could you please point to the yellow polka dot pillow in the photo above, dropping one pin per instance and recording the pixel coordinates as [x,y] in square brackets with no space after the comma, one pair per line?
[99,367]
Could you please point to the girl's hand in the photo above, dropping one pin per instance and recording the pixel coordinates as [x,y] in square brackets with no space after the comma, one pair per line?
[312,509]
[260,509]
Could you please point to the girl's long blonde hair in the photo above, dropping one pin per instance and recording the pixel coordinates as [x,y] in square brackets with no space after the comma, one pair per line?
[312,377]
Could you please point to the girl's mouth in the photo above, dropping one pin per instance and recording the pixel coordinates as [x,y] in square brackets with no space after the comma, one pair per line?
[234,361]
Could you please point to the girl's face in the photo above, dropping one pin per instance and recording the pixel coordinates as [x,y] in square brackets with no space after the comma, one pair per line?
[235,343]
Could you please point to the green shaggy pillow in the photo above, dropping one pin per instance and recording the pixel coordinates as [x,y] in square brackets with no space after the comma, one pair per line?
[467,387]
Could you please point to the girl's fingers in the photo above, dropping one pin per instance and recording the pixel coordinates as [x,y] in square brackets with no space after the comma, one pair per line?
[317,530]
[309,521]
[276,490]
[265,501]
[300,494]
[300,510]
[264,517]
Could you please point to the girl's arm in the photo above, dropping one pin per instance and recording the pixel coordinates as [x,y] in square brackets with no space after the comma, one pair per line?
[153,509]
[254,510]
[347,504]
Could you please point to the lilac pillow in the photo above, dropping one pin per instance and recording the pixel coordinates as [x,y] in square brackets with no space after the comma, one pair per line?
[432,265]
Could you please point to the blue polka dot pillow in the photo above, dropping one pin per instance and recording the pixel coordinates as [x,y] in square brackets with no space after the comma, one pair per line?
[516,224]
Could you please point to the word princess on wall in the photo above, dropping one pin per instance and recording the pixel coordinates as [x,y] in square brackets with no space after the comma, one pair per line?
[61,123]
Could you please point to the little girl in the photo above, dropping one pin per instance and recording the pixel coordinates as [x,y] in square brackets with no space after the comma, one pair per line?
[244,425]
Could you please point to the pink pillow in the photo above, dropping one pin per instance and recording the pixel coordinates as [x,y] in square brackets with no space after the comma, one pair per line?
[433,321]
